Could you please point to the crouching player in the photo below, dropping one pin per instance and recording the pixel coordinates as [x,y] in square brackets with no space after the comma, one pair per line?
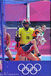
[6,44]
[32,45]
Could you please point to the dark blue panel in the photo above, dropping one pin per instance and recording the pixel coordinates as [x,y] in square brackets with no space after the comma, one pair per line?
[12,68]
[0,12]
[19,1]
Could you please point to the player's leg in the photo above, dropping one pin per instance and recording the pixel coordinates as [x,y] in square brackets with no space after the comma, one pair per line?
[17,57]
[8,53]
[31,56]
[21,58]
[38,57]
[21,54]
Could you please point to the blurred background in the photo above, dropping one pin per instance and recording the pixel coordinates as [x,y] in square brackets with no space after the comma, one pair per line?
[37,12]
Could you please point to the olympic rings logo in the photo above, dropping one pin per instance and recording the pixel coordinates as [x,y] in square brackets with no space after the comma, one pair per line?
[29,70]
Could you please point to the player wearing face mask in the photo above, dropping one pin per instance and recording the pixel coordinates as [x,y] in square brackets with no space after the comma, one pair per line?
[32,45]
[25,34]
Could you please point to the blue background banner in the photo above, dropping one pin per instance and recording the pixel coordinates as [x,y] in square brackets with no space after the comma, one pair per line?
[0,13]
[26,68]
[19,1]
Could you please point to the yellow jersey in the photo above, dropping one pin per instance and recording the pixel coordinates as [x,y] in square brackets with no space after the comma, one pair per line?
[26,35]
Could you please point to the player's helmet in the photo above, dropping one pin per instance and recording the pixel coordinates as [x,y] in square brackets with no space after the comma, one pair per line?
[25,21]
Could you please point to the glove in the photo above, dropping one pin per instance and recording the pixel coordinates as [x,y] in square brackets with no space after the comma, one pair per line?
[38,54]
[17,38]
